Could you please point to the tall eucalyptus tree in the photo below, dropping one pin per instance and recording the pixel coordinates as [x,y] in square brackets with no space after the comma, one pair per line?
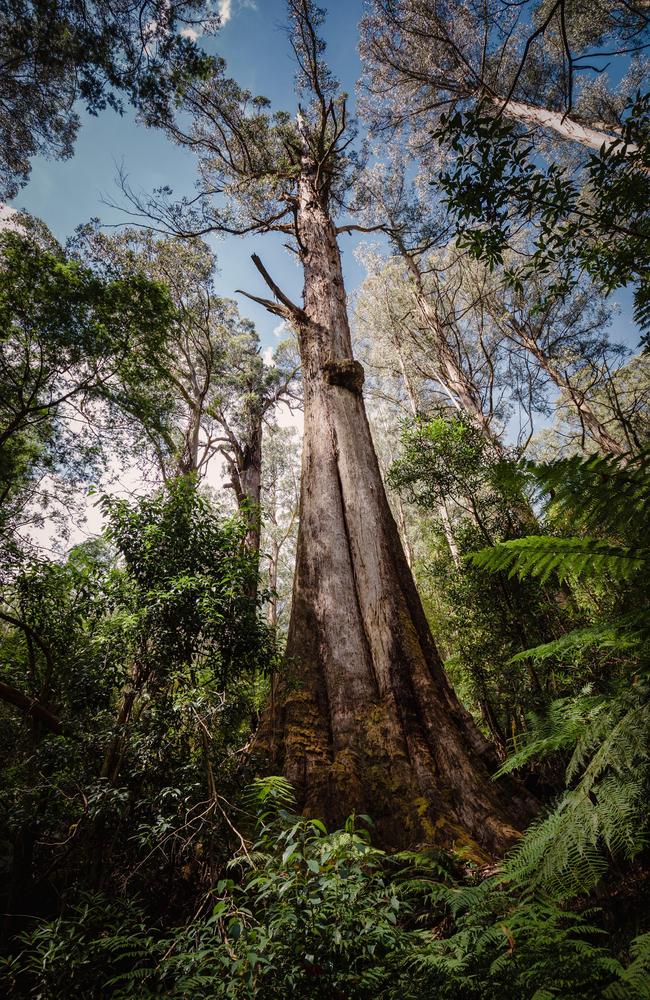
[223,390]
[365,718]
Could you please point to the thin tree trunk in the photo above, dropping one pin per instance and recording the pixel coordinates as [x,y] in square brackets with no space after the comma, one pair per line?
[272,606]
[113,756]
[245,467]
[250,479]
[588,419]
[365,719]
[459,387]
[188,462]
[449,535]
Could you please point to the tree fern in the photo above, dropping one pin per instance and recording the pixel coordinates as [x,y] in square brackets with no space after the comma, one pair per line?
[626,634]
[635,979]
[609,492]
[604,810]
[603,736]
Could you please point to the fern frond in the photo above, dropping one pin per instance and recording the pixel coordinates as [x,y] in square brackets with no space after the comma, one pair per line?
[540,556]
[625,634]
[634,981]
[610,491]
[563,852]
[560,727]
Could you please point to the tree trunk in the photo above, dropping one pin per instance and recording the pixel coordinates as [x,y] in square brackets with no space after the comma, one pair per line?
[250,479]
[272,606]
[459,387]
[562,124]
[412,394]
[447,527]
[365,719]
[245,467]
[188,462]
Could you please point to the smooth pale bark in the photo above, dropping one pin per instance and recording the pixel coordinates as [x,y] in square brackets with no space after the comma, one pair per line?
[562,124]
[364,718]
[592,425]
[188,463]
[449,534]
[460,389]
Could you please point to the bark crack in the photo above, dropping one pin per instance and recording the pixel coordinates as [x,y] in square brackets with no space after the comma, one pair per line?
[348,539]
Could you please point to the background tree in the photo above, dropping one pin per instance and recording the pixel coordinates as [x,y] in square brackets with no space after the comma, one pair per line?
[494,347]
[56,55]
[280,506]
[223,389]
[75,345]
[593,221]
[520,61]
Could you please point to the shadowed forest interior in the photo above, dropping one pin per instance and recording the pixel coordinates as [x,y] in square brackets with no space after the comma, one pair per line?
[324,600]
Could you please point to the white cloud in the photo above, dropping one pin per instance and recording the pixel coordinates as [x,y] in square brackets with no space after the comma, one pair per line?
[190,33]
[267,357]
[280,329]
[7,220]
[225,10]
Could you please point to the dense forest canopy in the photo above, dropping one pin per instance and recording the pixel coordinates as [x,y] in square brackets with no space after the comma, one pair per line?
[324,635]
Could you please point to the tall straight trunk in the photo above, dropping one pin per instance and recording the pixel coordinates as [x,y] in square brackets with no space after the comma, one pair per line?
[458,385]
[448,529]
[188,460]
[593,427]
[272,606]
[244,463]
[364,718]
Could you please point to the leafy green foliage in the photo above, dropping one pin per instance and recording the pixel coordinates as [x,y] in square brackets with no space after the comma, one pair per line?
[541,557]
[608,777]
[597,223]
[322,915]
[183,600]
[54,54]
[471,496]
[149,648]
[74,344]
[603,811]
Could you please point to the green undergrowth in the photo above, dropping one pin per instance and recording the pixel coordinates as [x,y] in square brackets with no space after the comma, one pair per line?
[308,913]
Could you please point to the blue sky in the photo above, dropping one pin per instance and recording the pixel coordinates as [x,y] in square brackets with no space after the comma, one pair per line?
[254,43]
